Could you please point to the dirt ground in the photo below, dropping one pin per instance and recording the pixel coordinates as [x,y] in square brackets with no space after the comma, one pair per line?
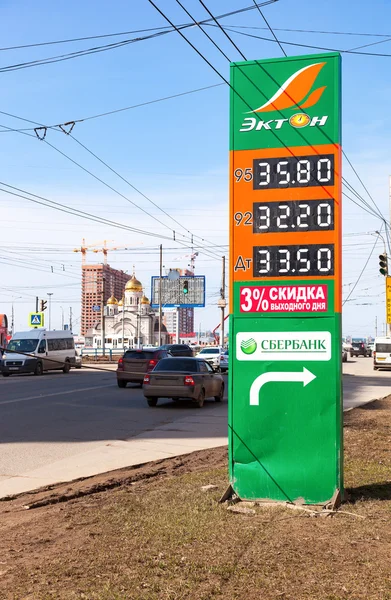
[152,533]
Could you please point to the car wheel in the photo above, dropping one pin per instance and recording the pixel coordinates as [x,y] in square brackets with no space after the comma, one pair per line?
[220,397]
[66,367]
[78,366]
[38,369]
[152,401]
[375,368]
[121,383]
[5,374]
[201,399]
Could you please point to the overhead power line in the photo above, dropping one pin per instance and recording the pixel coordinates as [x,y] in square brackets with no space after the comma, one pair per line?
[114,45]
[317,31]
[365,204]
[186,240]
[311,46]
[104,114]
[271,30]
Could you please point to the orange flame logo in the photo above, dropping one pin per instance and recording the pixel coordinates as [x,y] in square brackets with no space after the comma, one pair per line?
[295,90]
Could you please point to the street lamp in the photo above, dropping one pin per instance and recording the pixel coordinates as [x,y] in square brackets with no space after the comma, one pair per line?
[12,313]
[50,294]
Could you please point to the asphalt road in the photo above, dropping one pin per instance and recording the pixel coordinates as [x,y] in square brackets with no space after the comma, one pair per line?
[55,416]
[59,427]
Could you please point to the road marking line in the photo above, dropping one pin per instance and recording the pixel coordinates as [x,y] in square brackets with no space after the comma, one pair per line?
[42,396]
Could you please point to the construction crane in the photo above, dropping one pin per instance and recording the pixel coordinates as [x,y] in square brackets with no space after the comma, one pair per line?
[104,249]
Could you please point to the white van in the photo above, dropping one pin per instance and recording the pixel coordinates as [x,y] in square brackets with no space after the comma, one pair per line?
[45,350]
[382,353]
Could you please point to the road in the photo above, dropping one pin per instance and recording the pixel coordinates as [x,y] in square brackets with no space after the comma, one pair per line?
[59,427]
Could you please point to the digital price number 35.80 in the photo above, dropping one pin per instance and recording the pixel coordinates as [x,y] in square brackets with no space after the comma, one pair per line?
[293,261]
[292,171]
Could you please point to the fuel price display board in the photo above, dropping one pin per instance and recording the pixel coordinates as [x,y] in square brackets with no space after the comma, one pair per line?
[285,278]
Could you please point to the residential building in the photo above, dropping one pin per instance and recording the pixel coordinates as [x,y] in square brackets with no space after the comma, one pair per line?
[91,291]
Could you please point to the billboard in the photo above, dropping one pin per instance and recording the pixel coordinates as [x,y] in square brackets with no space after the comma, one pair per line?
[185,292]
[285,259]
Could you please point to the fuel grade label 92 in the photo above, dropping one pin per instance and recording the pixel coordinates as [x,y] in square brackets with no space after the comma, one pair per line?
[284,298]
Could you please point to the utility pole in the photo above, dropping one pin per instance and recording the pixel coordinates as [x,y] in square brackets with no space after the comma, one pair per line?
[102,316]
[70,318]
[50,294]
[36,303]
[376,326]
[222,304]
[62,318]
[177,337]
[160,295]
[123,324]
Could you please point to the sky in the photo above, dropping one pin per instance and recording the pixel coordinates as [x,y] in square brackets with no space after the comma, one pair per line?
[175,152]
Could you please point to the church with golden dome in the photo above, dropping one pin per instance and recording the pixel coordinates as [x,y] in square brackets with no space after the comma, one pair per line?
[129,322]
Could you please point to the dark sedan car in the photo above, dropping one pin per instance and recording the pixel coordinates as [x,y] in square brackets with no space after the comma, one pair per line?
[176,378]
[178,349]
[133,365]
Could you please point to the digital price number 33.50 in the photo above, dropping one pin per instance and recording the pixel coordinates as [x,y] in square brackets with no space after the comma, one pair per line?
[294,261]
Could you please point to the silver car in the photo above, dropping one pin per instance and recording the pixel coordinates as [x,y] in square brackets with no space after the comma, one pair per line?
[183,377]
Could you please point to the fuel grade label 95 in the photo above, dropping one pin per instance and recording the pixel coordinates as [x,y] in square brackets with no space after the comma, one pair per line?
[284,298]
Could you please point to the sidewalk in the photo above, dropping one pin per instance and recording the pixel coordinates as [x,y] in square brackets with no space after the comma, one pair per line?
[165,441]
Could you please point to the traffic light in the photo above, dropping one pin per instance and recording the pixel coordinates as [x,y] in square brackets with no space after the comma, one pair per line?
[186,287]
[43,305]
[383,264]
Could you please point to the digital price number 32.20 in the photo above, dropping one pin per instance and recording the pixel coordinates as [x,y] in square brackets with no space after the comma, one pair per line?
[293,261]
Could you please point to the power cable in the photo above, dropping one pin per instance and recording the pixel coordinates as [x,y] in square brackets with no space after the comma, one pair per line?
[81,39]
[317,31]
[270,29]
[189,241]
[116,191]
[96,49]
[326,49]
[224,32]
[221,76]
[110,112]
[361,273]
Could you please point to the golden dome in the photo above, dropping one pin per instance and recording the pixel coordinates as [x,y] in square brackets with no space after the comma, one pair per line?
[133,285]
[144,300]
[121,302]
[112,300]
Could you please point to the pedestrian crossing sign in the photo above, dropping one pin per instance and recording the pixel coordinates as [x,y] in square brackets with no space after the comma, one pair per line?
[36,319]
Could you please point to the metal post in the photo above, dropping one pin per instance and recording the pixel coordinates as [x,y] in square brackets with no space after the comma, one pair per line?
[102,313]
[375,326]
[36,303]
[160,295]
[123,325]
[389,199]
[70,318]
[62,318]
[50,294]
[177,340]
[222,305]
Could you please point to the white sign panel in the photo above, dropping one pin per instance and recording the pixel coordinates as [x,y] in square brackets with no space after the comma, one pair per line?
[290,345]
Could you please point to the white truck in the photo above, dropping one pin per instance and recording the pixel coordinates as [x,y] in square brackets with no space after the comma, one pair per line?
[38,350]
[382,353]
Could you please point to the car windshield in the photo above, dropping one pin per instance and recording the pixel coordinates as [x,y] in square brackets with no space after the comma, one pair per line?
[22,345]
[210,351]
[185,365]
